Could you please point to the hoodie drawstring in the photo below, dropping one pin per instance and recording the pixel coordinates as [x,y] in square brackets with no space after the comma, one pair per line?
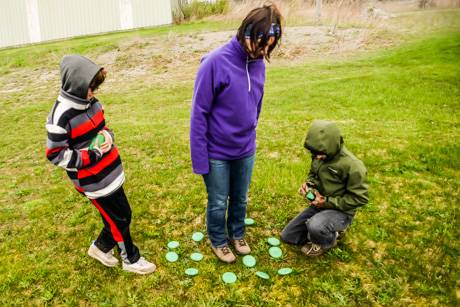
[247,73]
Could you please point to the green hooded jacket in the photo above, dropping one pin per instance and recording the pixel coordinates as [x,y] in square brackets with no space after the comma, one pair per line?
[341,177]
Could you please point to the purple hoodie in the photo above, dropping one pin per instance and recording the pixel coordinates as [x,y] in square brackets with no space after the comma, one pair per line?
[227,100]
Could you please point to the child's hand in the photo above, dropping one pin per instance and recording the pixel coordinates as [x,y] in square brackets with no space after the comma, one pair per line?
[105,147]
[303,189]
[319,201]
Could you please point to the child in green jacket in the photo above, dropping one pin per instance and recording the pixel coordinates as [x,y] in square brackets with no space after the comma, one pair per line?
[336,186]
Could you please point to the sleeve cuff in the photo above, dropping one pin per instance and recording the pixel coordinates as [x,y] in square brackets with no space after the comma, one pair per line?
[95,154]
[201,171]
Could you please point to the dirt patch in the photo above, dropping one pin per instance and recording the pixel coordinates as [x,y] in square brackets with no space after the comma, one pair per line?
[301,43]
[174,58]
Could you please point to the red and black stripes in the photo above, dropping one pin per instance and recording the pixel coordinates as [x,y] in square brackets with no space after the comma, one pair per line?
[71,126]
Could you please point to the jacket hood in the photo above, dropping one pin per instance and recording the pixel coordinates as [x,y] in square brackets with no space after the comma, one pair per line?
[77,72]
[241,52]
[324,136]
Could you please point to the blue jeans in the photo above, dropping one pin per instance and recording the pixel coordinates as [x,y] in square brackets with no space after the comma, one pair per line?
[227,184]
[316,225]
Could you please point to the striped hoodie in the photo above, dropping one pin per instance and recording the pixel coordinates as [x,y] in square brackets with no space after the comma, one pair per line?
[72,124]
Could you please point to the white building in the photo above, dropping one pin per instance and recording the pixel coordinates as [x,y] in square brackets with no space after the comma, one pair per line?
[31,21]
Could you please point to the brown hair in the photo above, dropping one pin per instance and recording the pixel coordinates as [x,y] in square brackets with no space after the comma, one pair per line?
[98,79]
[257,26]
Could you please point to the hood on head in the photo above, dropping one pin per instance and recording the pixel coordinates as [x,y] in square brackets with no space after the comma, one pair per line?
[324,136]
[77,72]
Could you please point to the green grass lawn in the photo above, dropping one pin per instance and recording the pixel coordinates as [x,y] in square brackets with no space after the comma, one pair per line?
[399,111]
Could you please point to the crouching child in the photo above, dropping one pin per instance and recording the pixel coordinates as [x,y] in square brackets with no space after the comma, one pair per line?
[335,188]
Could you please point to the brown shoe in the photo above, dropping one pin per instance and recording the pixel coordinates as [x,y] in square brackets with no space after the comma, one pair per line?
[241,246]
[224,254]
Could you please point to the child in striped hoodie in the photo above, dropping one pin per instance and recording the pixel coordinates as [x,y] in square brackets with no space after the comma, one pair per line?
[76,118]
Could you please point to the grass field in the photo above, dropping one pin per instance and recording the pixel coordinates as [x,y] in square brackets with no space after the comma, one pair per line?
[399,111]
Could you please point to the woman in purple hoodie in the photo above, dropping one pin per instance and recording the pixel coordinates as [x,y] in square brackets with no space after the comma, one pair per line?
[227,100]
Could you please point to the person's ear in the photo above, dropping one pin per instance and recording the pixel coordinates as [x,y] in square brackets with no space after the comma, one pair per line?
[248,43]
[90,94]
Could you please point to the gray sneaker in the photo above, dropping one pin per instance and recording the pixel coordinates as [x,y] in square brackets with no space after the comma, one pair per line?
[341,234]
[106,259]
[312,250]
[141,267]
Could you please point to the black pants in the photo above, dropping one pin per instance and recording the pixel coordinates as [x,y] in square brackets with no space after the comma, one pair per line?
[116,215]
[316,225]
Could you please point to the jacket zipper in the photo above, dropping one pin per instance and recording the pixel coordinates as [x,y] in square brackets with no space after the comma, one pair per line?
[247,73]
[89,117]
[319,168]
[87,114]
